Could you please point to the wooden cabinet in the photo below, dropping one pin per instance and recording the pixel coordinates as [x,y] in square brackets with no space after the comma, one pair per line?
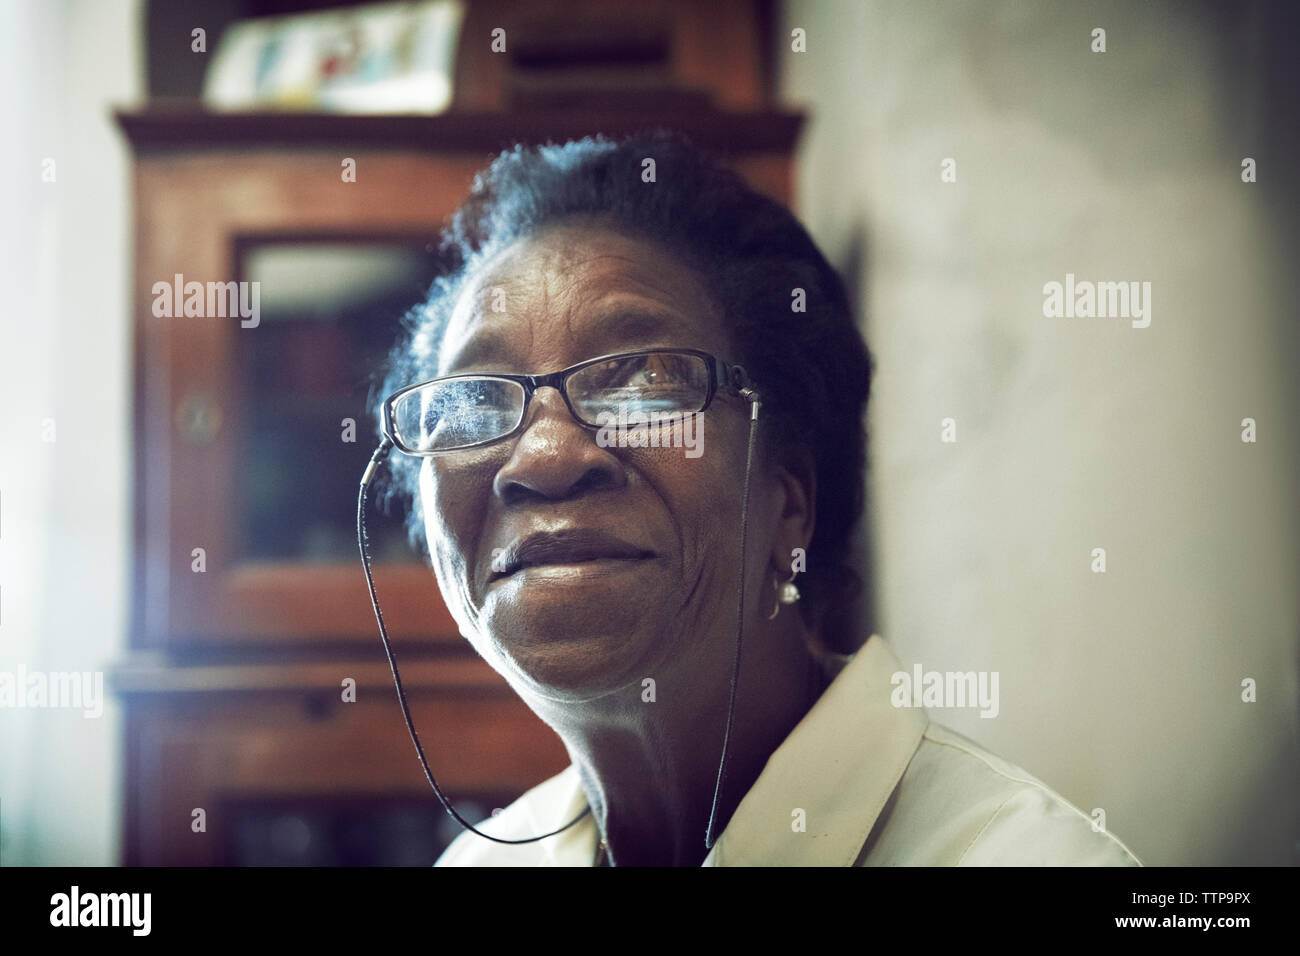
[249,604]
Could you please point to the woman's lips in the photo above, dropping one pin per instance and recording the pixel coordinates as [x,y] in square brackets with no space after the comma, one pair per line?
[563,549]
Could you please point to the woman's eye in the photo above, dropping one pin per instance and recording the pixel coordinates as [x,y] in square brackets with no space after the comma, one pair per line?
[649,375]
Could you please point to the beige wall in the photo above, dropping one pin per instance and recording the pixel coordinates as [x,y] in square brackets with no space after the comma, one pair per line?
[1122,690]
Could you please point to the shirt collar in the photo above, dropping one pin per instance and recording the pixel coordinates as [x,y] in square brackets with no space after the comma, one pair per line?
[839,766]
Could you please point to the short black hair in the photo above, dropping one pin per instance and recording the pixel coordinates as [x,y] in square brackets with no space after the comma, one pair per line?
[811,367]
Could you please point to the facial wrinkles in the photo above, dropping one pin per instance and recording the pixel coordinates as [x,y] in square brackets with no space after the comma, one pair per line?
[457,531]
[452,560]
[533,282]
[568,282]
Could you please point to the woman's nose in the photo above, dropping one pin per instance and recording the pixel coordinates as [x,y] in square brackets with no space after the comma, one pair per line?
[554,457]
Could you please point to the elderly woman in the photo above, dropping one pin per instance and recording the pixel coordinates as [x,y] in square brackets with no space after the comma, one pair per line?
[630,420]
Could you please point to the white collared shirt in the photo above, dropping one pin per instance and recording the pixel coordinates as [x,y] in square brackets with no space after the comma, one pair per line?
[878,785]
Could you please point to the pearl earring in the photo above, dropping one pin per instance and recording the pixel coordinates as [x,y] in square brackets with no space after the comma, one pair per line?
[786,593]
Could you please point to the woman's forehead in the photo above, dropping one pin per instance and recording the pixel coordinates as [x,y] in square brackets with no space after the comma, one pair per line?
[574,288]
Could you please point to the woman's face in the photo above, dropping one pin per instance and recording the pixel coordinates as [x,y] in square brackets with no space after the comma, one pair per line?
[633,550]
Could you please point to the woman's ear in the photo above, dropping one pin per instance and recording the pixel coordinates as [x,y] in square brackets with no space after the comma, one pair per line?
[797,511]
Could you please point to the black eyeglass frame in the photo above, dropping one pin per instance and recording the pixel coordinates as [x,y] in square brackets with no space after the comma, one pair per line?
[722,374]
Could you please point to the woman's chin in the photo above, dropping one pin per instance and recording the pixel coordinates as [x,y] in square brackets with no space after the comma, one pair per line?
[574,649]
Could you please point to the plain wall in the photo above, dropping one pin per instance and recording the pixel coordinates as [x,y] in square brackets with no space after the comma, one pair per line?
[1122,690]
[64,356]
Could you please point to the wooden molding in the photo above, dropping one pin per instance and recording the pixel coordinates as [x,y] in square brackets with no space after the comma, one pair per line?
[164,126]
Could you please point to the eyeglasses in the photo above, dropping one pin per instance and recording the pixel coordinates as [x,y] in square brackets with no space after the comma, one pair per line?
[648,387]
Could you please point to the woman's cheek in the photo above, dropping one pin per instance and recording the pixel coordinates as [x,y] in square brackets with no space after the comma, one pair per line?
[450,534]
[712,496]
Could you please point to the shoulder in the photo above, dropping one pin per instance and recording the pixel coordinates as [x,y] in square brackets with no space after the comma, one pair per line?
[958,804]
[532,814]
